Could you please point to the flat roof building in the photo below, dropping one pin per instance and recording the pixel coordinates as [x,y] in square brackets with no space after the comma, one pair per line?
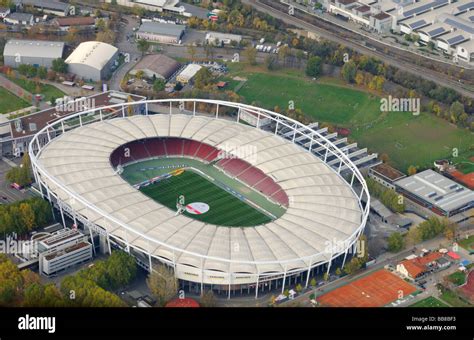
[63,249]
[188,73]
[32,52]
[218,38]
[48,6]
[154,5]
[386,175]
[437,193]
[18,18]
[161,32]
[93,60]
[157,65]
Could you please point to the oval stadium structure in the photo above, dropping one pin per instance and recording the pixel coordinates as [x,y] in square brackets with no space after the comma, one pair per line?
[120,173]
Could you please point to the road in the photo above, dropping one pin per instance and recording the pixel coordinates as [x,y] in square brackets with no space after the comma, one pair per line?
[383,260]
[127,46]
[359,47]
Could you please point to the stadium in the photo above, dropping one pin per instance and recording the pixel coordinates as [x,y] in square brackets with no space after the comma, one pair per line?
[186,183]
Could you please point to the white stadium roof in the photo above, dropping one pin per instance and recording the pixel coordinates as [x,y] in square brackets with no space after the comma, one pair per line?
[95,54]
[322,210]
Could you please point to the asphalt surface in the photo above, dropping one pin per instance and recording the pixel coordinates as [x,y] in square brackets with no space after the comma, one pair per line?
[126,45]
[419,71]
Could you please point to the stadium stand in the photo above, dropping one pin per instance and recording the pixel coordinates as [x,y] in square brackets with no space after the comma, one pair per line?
[177,147]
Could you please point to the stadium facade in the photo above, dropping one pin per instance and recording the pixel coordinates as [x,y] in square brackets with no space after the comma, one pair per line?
[326,208]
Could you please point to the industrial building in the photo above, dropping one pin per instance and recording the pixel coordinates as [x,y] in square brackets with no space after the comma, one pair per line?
[17,18]
[93,60]
[32,52]
[78,22]
[188,73]
[63,249]
[218,39]
[172,6]
[437,193]
[48,6]
[161,32]
[386,175]
[157,66]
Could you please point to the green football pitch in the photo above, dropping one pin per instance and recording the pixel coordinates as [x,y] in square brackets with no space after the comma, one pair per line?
[231,203]
[225,209]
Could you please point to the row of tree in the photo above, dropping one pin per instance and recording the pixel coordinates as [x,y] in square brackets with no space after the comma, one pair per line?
[24,288]
[24,216]
[21,175]
[90,287]
[387,196]
[426,230]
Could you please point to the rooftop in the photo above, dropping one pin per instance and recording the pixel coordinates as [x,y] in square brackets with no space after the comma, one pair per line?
[95,54]
[158,63]
[162,29]
[34,48]
[437,190]
[388,172]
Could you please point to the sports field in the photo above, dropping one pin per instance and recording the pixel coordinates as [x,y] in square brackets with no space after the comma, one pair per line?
[407,139]
[374,290]
[226,198]
[9,102]
[430,302]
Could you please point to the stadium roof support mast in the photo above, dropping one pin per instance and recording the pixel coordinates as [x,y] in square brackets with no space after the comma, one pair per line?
[109,225]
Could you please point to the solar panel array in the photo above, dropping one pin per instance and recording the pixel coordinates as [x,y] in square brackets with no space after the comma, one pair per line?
[424,8]
[460,25]
[437,31]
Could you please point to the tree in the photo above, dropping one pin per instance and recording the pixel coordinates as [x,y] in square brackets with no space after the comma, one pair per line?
[395,242]
[326,276]
[162,284]
[27,216]
[451,230]
[203,78]
[159,85]
[140,74]
[250,54]
[412,170]
[349,71]
[208,299]
[121,269]
[60,66]
[143,46]
[338,271]
[299,288]
[271,62]
[314,66]
[313,282]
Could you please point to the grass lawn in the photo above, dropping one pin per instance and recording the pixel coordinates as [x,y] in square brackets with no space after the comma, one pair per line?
[458,278]
[413,140]
[45,89]
[467,243]
[465,164]
[453,299]
[323,102]
[407,139]
[9,102]
[429,302]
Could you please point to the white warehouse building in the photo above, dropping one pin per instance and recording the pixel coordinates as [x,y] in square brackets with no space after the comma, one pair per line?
[188,73]
[93,60]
